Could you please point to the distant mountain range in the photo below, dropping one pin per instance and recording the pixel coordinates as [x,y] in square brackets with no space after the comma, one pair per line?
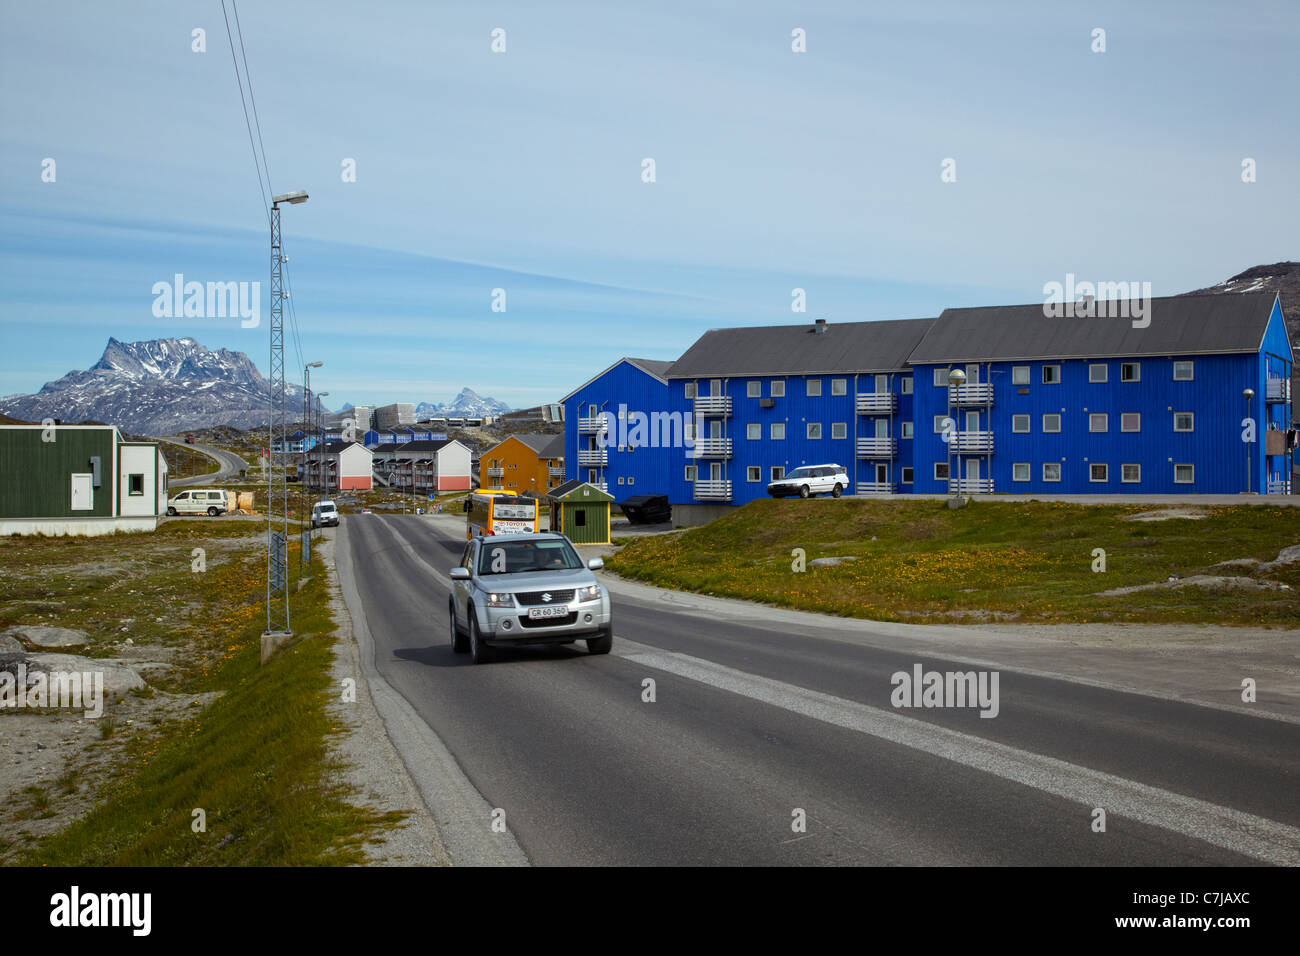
[468,404]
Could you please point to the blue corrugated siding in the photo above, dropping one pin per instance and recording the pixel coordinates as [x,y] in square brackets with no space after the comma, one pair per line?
[645,470]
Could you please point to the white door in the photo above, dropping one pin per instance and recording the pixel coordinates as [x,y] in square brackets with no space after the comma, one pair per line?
[83,494]
[882,427]
[973,471]
[882,473]
[972,421]
[715,471]
[882,384]
[972,374]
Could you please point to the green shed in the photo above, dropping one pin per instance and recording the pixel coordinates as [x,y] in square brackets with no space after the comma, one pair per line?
[580,511]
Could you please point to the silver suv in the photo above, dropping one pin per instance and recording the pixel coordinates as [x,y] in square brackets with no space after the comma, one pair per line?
[526,589]
[811,480]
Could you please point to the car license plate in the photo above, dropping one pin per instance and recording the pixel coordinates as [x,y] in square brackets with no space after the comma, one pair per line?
[544,612]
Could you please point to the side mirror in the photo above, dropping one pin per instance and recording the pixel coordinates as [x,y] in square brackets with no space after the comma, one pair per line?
[460,574]
[596,564]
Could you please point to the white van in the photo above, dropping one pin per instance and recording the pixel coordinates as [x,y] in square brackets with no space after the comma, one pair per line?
[324,514]
[198,502]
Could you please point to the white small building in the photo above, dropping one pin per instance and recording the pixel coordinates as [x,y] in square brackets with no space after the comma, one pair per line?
[348,466]
[426,466]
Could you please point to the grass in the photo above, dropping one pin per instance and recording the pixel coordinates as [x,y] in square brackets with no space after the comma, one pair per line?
[256,760]
[1024,561]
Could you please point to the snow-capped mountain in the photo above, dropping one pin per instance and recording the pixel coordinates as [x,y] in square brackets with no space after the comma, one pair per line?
[467,404]
[159,387]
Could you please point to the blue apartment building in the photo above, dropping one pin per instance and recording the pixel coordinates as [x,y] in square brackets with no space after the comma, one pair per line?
[1049,405]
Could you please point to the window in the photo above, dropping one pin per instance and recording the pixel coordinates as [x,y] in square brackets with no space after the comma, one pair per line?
[814,386]
[1130,473]
[1020,471]
[1051,375]
[778,388]
[1020,375]
[905,429]
[620,479]
[906,383]
[715,386]
[1183,422]
[1130,422]
[941,377]
[778,431]
[1098,422]
[1130,372]
[839,386]
[753,431]
[1184,474]
[690,472]
[1097,374]
[620,448]
[907,471]
[753,473]
[1098,473]
[137,485]
[754,389]
[839,430]
[690,389]
[814,429]
[778,472]
[580,515]
[631,479]
[1052,423]
[939,421]
[1051,471]
[940,471]
[1020,426]
[688,431]
[1182,371]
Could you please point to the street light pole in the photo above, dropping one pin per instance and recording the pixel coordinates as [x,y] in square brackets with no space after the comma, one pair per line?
[1248,394]
[277,571]
[956,377]
[320,442]
[302,472]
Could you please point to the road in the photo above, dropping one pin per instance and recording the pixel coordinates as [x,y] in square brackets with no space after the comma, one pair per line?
[229,464]
[752,724]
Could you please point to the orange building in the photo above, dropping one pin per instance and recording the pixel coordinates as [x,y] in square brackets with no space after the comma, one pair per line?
[525,464]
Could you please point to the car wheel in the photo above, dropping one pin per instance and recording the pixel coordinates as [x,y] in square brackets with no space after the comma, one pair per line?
[171,512]
[803,491]
[459,644]
[602,644]
[837,490]
[478,651]
[212,512]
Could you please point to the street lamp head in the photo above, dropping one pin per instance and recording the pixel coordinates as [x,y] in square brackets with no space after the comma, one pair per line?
[956,376]
[1248,394]
[293,198]
[313,365]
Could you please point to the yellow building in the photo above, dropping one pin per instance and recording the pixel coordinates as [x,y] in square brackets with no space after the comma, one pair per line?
[524,464]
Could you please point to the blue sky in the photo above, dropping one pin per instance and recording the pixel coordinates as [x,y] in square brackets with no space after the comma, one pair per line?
[522,170]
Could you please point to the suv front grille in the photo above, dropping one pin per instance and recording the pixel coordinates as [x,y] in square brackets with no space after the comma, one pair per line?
[558,596]
[569,618]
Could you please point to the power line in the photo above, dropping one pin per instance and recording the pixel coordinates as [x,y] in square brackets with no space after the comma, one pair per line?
[252,99]
[247,123]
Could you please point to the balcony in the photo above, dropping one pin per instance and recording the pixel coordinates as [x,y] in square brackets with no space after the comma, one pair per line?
[980,393]
[593,456]
[712,448]
[1277,390]
[876,488]
[713,489]
[591,426]
[715,406]
[971,486]
[877,447]
[877,403]
[1279,486]
[496,472]
[965,443]
[554,472]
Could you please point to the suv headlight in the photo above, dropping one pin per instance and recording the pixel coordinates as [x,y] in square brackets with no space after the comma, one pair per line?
[589,593]
[500,600]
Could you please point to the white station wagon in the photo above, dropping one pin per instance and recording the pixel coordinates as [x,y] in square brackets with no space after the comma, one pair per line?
[205,501]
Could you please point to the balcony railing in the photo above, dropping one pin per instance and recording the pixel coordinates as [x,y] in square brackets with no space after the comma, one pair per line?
[555,472]
[877,447]
[713,405]
[1279,486]
[593,456]
[1277,390]
[591,426]
[970,486]
[496,472]
[713,448]
[877,403]
[876,488]
[713,489]
[980,393]
[971,442]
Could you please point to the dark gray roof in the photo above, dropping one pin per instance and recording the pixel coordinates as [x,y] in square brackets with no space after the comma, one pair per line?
[539,443]
[1179,325]
[799,350]
[419,445]
[570,486]
[652,366]
[553,448]
[333,447]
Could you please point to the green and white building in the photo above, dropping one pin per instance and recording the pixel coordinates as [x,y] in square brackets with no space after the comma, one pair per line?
[78,479]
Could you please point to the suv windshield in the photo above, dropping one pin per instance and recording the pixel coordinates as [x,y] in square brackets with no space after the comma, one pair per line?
[503,556]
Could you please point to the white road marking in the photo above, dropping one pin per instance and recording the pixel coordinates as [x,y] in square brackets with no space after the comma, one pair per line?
[1244,833]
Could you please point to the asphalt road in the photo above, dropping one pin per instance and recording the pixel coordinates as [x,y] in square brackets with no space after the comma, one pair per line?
[752,724]
[230,464]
